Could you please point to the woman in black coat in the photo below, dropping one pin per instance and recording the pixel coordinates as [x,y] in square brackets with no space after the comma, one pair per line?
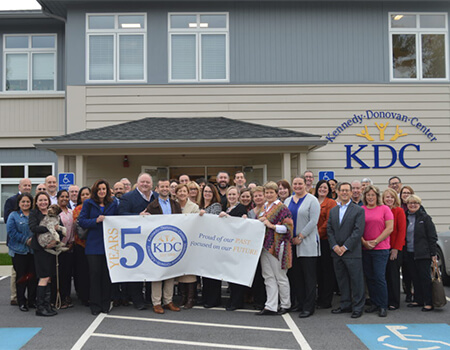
[45,263]
[421,249]
[234,208]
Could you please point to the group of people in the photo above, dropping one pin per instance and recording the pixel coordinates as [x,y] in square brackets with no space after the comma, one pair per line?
[334,237]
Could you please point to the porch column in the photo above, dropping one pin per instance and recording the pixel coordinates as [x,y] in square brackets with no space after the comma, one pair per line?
[302,163]
[61,165]
[79,170]
[286,167]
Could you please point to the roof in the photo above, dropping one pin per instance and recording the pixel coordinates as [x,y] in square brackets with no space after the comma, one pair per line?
[59,7]
[21,14]
[177,132]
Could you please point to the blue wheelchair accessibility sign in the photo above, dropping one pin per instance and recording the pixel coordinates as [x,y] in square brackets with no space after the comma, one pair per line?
[326,175]
[404,336]
[65,180]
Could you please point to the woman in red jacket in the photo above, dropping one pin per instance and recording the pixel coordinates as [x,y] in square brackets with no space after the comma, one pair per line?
[390,198]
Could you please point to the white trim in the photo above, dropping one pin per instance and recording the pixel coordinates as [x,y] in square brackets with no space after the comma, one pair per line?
[198,32]
[116,32]
[418,32]
[30,51]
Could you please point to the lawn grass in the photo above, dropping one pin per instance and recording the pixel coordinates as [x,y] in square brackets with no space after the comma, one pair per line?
[5,259]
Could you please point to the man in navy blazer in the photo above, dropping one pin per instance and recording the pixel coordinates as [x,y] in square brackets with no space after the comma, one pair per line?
[135,203]
[11,202]
[345,228]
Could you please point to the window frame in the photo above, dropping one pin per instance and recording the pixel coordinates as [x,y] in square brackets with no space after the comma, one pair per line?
[198,32]
[116,32]
[16,180]
[418,32]
[30,51]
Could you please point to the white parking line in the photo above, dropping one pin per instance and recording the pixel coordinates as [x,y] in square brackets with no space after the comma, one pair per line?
[3,277]
[296,332]
[204,324]
[223,309]
[182,342]
[448,299]
[89,332]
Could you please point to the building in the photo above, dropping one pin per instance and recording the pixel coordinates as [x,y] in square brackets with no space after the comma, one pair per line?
[365,84]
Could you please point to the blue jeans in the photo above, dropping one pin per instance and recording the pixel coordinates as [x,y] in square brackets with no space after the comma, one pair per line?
[374,266]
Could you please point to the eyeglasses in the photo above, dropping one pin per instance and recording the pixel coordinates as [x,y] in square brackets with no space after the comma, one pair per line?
[413,203]
[207,191]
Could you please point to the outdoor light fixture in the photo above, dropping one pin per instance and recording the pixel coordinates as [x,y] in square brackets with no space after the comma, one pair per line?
[126,162]
[192,25]
[203,25]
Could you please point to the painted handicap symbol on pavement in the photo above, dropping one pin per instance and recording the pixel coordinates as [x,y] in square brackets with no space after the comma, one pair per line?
[16,338]
[403,337]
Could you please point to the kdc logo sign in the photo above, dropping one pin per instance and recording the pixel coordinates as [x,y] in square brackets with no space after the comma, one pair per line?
[166,245]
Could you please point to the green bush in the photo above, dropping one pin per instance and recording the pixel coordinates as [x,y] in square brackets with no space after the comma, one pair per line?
[5,259]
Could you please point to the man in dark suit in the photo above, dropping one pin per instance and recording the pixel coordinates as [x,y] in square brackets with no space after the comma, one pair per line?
[345,228]
[135,203]
[11,202]
[163,205]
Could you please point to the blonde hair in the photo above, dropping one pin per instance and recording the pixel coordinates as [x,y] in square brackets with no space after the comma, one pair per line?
[394,194]
[415,198]
[271,186]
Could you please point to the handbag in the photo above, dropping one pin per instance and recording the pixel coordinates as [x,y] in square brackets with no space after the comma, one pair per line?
[437,287]
[81,232]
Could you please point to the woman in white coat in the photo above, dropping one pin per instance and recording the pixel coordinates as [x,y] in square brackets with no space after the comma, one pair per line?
[305,209]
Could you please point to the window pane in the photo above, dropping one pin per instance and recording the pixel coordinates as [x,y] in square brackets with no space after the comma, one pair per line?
[131,57]
[214,21]
[16,42]
[213,57]
[101,57]
[43,71]
[41,41]
[182,21]
[16,72]
[8,191]
[403,21]
[404,55]
[10,171]
[39,170]
[432,21]
[433,56]
[132,22]
[101,22]
[183,56]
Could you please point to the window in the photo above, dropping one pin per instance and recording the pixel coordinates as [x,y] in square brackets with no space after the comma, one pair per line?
[198,47]
[30,62]
[418,46]
[116,47]
[11,174]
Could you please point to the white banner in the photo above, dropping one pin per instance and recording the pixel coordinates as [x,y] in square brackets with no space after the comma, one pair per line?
[158,247]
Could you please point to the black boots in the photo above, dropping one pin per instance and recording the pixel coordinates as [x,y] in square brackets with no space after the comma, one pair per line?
[190,299]
[43,306]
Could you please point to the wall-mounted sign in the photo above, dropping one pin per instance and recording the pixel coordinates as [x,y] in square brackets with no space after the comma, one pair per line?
[382,126]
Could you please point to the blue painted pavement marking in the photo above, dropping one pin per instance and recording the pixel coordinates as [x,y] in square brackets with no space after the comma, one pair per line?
[403,336]
[15,338]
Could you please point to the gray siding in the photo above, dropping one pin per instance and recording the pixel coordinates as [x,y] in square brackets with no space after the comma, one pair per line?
[273,41]
[41,26]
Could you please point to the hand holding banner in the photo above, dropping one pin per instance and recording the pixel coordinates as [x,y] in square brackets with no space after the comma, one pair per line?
[158,247]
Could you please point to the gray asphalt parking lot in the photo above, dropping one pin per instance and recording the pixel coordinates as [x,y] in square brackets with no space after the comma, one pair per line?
[128,328]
